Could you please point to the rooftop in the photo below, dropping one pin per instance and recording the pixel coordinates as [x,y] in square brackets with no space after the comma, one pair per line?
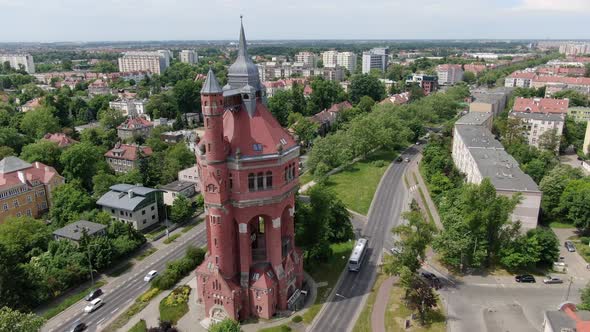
[125,196]
[478,137]
[128,151]
[503,170]
[75,230]
[177,186]
[538,116]
[540,105]
[474,118]
[12,164]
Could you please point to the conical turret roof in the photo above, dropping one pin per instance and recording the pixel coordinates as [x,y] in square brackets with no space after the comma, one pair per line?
[211,85]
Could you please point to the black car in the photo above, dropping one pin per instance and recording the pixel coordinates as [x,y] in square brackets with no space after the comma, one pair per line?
[93,294]
[525,278]
[78,326]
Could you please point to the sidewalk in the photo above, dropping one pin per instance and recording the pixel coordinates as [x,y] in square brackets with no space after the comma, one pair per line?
[380,305]
[413,169]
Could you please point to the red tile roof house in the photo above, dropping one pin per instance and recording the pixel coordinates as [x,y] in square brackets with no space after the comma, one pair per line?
[328,117]
[567,318]
[397,99]
[132,127]
[61,139]
[125,157]
[541,105]
[31,105]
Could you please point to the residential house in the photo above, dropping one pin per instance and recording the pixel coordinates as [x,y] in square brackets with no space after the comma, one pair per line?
[519,79]
[566,319]
[192,119]
[173,189]
[428,83]
[397,99]
[31,105]
[135,205]
[25,189]
[61,139]
[191,175]
[133,127]
[99,87]
[536,124]
[129,107]
[326,118]
[75,231]
[126,157]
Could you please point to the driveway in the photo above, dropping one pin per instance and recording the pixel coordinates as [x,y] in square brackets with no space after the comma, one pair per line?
[576,265]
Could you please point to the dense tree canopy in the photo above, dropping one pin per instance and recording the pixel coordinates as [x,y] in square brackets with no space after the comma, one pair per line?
[366,85]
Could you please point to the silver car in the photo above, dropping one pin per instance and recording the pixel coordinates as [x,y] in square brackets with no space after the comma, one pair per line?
[552,280]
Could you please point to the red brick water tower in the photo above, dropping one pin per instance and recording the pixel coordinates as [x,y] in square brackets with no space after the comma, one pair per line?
[248,169]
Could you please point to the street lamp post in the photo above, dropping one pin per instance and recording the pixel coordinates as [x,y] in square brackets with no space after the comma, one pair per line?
[90,263]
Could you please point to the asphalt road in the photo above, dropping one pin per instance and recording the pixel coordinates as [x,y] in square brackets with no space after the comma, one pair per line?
[341,312]
[127,290]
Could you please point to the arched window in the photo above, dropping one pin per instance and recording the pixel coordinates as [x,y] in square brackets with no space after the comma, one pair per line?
[260,181]
[260,225]
[251,182]
[269,179]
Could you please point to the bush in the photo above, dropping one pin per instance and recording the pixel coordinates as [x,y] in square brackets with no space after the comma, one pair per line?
[177,269]
[379,163]
[297,319]
[150,294]
[585,240]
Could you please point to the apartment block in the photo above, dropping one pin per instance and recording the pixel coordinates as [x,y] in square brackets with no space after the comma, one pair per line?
[519,80]
[536,124]
[479,155]
[129,107]
[153,62]
[374,59]
[449,74]
[490,100]
[347,60]
[188,56]
[19,60]
[428,83]
[579,114]
[330,59]
[308,59]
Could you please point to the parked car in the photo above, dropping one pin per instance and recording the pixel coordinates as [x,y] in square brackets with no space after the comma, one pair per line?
[569,245]
[432,278]
[396,250]
[77,327]
[399,159]
[525,278]
[151,275]
[93,294]
[552,280]
[407,160]
[93,305]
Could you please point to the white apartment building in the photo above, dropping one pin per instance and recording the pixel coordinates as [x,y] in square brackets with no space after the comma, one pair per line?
[308,59]
[17,60]
[167,54]
[135,205]
[479,155]
[347,60]
[449,74]
[188,56]
[574,48]
[154,62]
[129,107]
[330,59]
[190,174]
[374,59]
[536,124]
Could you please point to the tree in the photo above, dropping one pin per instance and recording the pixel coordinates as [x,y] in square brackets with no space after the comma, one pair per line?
[16,321]
[21,236]
[548,244]
[305,129]
[82,161]
[11,138]
[281,106]
[420,297]
[43,151]
[69,200]
[366,103]
[549,140]
[102,181]
[324,94]
[6,151]
[574,205]
[226,325]
[110,118]
[366,85]
[469,77]
[39,122]
[181,210]
[162,105]
[553,184]
[187,93]
[416,92]
[585,298]
[105,67]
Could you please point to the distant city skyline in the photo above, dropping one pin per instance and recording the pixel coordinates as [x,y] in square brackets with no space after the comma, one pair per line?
[136,20]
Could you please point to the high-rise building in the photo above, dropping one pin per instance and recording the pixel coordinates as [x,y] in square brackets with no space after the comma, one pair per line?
[330,59]
[17,61]
[248,172]
[188,56]
[574,49]
[154,62]
[347,60]
[307,58]
[376,58]
[167,55]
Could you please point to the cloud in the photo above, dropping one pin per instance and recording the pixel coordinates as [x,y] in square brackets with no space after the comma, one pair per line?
[573,6]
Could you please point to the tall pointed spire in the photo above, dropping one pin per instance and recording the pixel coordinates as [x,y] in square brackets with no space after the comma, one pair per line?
[243,49]
[211,85]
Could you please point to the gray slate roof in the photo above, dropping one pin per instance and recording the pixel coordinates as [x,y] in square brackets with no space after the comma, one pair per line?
[75,230]
[11,164]
[120,198]
[478,137]
[538,116]
[242,72]
[503,170]
[559,319]
[211,85]
[474,118]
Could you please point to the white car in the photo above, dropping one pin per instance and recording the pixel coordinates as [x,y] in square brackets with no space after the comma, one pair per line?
[151,275]
[93,305]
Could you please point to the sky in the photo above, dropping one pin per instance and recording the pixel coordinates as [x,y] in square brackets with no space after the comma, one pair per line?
[122,20]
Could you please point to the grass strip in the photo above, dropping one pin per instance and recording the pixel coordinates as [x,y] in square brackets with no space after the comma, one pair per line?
[172,238]
[146,253]
[141,326]
[140,303]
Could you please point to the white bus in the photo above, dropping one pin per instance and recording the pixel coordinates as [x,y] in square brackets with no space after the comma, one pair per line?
[358,255]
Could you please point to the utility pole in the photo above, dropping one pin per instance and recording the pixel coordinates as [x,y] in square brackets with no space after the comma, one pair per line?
[569,286]
[90,264]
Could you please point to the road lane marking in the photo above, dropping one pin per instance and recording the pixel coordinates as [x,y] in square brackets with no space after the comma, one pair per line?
[117,308]
[100,321]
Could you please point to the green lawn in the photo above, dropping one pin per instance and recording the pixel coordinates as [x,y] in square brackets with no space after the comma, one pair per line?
[558,224]
[357,183]
[175,305]
[363,324]
[172,238]
[68,301]
[397,313]
[305,178]
[583,250]
[141,326]
[327,272]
